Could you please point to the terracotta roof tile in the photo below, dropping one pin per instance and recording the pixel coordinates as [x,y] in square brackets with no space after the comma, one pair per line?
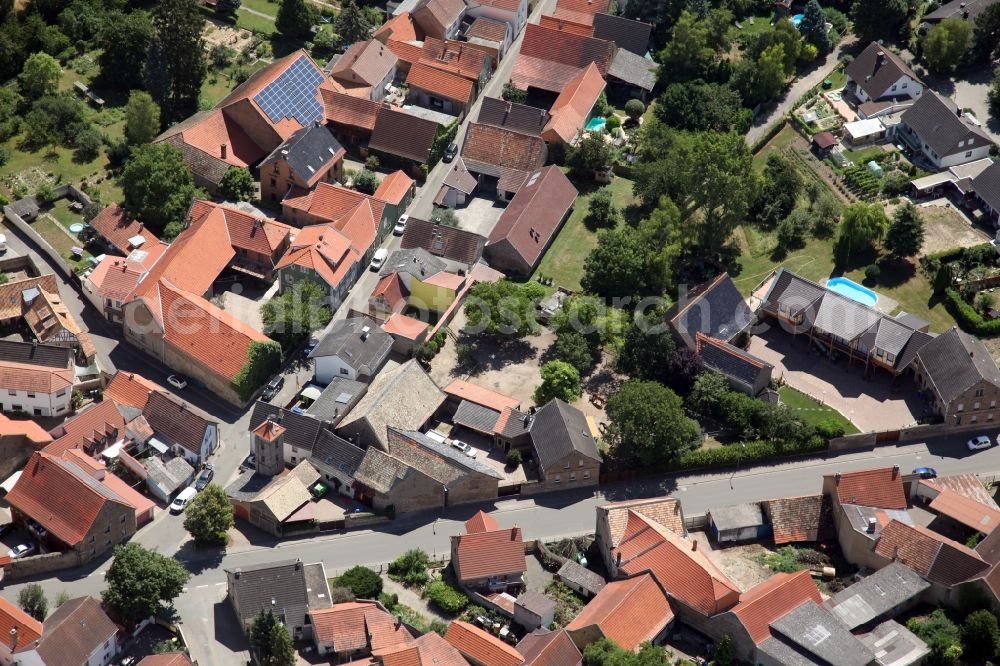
[168,659]
[495,146]
[114,224]
[511,6]
[353,214]
[28,628]
[967,511]
[484,554]
[77,627]
[438,15]
[394,187]
[343,625]
[339,108]
[116,278]
[403,135]
[665,511]
[12,294]
[32,378]
[405,51]
[571,109]
[439,82]
[628,612]
[481,522]
[129,388]
[879,488]
[480,647]
[549,59]
[385,631]
[766,602]
[967,485]
[549,648]
[488,29]
[399,325]
[585,9]
[218,129]
[400,28]
[454,57]
[464,390]
[388,294]
[30,430]
[933,556]
[638,538]
[364,63]
[324,250]
[428,650]
[556,23]
[101,421]
[796,519]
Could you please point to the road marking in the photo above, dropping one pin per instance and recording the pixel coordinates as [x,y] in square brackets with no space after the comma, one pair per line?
[201,586]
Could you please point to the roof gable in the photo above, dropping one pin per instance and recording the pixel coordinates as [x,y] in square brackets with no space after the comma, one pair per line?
[535,214]
[493,553]
[557,430]
[955,361]
[771,599]
[880,488]
[549,59]
[572,107]
[940,124]
[876,69]
[628,612]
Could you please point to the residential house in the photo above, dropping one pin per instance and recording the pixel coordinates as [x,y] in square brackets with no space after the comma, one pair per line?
[862,503]
[440,90]
[361,219]
[959,373]
[562,24]
[627,34]
[439,18]
[186,432]
[77,513]
[404,397]
[399,28]
[457,58]
[967,10]
[989,582]
[793,641]
[449,243]
[885,594]
[550,59]
[18,440]
[251,121]
[533,610]
[430,648]
[565,447]
[324,256]
[487,557]
[549,647]
[984,190]
[165,480]
[629,612]
[581,11]
[365,70]
[309,436]
[21,631]
[512,12]
[109,284]
[407,333]
[289,588]
[715,309]
[936,129]
[397,191]
[118,233]
[350,119]
[461,391]
[39,390]
[458,186]
[423,281]
[613,521]
[502,160]
[353,630]
[408,54]
[531,221]
[512,116]
[574,107]
[480,648]
[354,348]
[797,519]
[309,156]
[744,371]
[631,75]
[492,37]
[881,81]
[77,633]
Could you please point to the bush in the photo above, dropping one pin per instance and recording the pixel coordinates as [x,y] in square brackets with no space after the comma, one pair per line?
[981,635]
[791,234]
[4,156]
[966,316]
[514,458]
[372,163]
[872,272]
[410,568]
[829,429]
[363,582]
[634,108]
[613,122]
[895,183]
[366,182]
[446,597]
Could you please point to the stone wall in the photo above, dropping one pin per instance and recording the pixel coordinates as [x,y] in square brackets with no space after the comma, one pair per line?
[41,564]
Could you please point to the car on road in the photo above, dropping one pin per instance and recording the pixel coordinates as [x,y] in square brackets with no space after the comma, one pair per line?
[450,152]
[181,501]
[272,388]
[22,550]
[464,448]
[926,472]
[380,256]
[979,443]
[400,225]
[204,478]
[310,346]
[177,381]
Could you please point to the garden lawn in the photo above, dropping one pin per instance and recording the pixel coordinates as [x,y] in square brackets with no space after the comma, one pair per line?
[912,289]
[57,238]
[254,22]
[262,6]
[563,261]
[814,261]
[59,162]
[811,411]
[61,211]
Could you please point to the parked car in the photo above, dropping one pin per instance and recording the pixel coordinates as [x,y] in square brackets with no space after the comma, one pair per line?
[204,478]
[272,388]
[22,550]
[36,527]
[181,501]
[464,448]
[177,381]
[981,442]
[250,462]
[926,472]
[310,346]
[3,243]
[400,225]
[450,152]
[380,256]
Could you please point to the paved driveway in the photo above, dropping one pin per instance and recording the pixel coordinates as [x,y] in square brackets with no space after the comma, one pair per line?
[970,90]
[479,216]
[871,404]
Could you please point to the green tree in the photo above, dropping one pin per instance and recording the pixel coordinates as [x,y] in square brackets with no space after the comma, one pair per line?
[559,380]
[606,652]
[648,426]
[351,23]
[238,184]
[512,93]
[40,75]
[54,120]
[648,348]
[602,211]
[87,143]
[366,182]
[600,324]
[946,44]
[986,34]
[445,217]
[142,118]
[410,567]
[723,654]
[790,38]
[877,18]
[942,636]
[158,185]
[589,155]
[617,266]
[270,641]
[687,54]
[504,309]
[262,361]
[981,635]
[292,316]
[363,582]
[296,18]
[771,72]
[32,601]
[698,106]
[634,108]
[813,27]
[139,581]
[180,51]
[573,348]
[446,597]
[124,42]
[210,516]
[861,225]
[905,235]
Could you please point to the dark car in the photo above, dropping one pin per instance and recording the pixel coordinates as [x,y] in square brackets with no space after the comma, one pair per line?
[926,472]
[272,388]
[450,152]
[204,478]
[310,346]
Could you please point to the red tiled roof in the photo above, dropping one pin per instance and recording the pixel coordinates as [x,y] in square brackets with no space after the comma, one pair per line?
[269,430]
[454,57]
[571,109]
[364,64]
[385,631]
[488,29]
[967,485]
[664,511]
[484,554]
[215,129]
[556,23]
[506,5]
[549,59]
[405,327]
[324,250]
[32,378]
[393,187]
[439,82]
[638,537]
[879,488]
[343,109]
[113,224]
[439,13]
[478,646]
[406,52]
[96,422]
[554,648]
[428,650]
[967,511]
[465,390]
[343,625]
[773,599]
[116,277]
[246,232]
[389,293]
[129,388]
[58,500]
[24,428]
[798,518]
[169,659]
[933,556]
[628,612]
[481,522]
[353,214]
[401,28]
[501,147]
[582,11]
[28,628]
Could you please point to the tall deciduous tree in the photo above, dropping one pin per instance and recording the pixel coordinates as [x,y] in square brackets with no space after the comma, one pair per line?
[139,581]
[877,18]
[617,266]
[946,44]
[291,317]
[986,34]
[905,236]
[771,73]
[296,18]
[178,26]
[687,54]
[559,380]
[813,26]
[124,43]
[861,225]
[351,23]
[648,426]
[158,185]
[504,309]
[698,106]
[32,601]
[209,516]
[40,75]
[142,118]
[237,184]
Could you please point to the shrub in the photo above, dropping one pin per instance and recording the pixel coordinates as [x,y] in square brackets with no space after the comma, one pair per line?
[363,582]
[4,156]
[410,567]
[372,163]
[446,597]
[613,122]
[634,108]
[791,234]
[966,316]
[981,635]
[514,458]
[366,182]
[829,429]
[872,272]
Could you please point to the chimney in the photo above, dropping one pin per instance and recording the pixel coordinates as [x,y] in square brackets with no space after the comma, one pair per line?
[895,471]
[222,151]
[872,522]
[364,332]
[618,559]
[13,638]
[298,564]
[836,478]
[236,574]
[694,546]
[513,533]
[880,59]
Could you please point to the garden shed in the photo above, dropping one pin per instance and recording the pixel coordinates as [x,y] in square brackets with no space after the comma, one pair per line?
[863,131]
[740,522]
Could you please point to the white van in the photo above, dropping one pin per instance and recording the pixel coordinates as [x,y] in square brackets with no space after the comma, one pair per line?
[3,243]
[182,500]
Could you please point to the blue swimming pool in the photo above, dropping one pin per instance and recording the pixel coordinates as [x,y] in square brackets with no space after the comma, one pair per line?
[797,19]
[597,124]
[853,290]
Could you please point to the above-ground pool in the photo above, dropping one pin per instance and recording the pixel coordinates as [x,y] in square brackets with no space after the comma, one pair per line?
[596,124]
[797,19]
[853,290]
[76,227]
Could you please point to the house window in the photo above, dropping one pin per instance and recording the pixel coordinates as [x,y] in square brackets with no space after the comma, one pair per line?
[558,478]
[993,403]
[974,418]
[122,521]
[566,466]
[904,85]
[975,405]
[91,538]
[968,153]
[979,393]
[879,353]
[274,182]
[31,395]
[579,463]
[11,392]
[107,530]
[961,407]
[343,371]
[989,417]
[15,408]
[890,357]
[572,476]
[586,474]
[37,412]
[61,393]
[894,88]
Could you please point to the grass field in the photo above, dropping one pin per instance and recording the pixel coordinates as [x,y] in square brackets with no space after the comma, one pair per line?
[58,239]
[563,262]
[811,412]
[263,6]
[254,23]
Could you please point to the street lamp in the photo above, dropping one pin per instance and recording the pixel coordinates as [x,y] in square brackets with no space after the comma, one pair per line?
[739,458]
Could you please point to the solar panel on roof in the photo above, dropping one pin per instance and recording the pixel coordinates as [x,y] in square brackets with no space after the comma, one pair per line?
[293,94]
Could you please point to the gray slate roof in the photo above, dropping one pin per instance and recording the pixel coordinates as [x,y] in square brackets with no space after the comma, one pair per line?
[791,293]
[589,580]
[518,117]
[895,645]
[365,351]
[337,399]
[307,151]
[301,430]
[285,587]
[336,454]
[451,243]
[446,463]
[416,261]
[535,602]
[877,595]
[557,430]
[715,309]
[633,69]
[815,631]
[476,417]
[733,362]
[963,9]
[876,75]
[954,361]
[48,356]
[892,335]
[987,185]
[737,516]
[625,33]
[936,121]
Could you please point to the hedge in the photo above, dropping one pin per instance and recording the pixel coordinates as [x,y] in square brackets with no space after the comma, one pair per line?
[968,319]
[263,360]
[446,597]
[750,452]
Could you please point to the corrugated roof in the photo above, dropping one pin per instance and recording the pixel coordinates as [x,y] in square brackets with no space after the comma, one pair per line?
[967,511]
